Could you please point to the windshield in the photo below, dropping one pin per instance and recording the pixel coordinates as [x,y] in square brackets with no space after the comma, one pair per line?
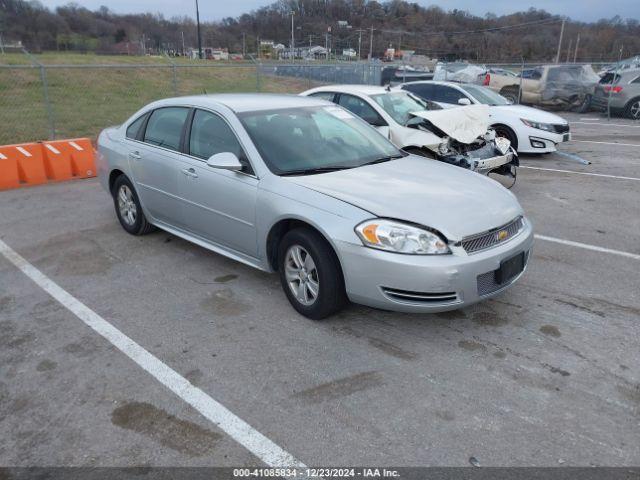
[399,105]
[314,138]
[485,95]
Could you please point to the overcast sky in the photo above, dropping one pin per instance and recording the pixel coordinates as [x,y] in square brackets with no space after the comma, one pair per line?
[585,10]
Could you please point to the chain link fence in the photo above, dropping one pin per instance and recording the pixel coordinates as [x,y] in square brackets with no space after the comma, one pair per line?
[39,102]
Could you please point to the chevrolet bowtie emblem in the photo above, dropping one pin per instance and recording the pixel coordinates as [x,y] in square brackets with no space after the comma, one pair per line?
[501,235]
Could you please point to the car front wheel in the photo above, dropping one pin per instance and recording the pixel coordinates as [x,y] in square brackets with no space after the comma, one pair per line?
[310,274]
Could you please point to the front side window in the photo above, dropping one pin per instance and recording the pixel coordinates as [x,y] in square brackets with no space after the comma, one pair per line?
[400,105]
[448,94]
[210,134]
[164,128]
[305,138]
[360,108]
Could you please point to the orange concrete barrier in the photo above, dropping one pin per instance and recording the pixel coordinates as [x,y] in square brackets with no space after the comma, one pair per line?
[37,163]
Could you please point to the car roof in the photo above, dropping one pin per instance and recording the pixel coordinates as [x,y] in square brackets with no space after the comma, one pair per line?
[244,102]
[361,89]
[435,82]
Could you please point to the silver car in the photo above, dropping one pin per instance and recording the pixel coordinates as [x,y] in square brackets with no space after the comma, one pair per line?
[621,91]
[304,187]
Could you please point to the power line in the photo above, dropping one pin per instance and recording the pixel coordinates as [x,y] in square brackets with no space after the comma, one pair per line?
[464,32]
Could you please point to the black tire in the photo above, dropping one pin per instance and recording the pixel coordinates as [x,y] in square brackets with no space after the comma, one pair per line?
[632,109]
[506,132]
[512,94]
[331,296]
[135,225]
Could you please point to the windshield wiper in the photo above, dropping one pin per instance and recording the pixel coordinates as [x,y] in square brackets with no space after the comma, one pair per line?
[313,171]
[382,160]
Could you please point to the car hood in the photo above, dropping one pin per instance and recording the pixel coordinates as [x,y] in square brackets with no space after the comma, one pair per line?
[529,113]
[450,199]
[464,124]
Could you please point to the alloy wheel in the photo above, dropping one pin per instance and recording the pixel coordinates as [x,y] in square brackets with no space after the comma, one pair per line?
[301,275]
[635,110]
[127,205]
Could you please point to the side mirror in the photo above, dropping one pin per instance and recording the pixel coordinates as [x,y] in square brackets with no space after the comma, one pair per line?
[464,101]
[225,161]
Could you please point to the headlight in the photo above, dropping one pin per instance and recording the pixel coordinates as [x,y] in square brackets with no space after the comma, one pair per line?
[547,127]
[400,237]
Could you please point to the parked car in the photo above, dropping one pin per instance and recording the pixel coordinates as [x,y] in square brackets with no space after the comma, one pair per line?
[622,91]
[529,130]
[424,128]
[564,86]
[303,187]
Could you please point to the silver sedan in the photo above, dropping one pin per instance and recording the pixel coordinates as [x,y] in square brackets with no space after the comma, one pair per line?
[303,187]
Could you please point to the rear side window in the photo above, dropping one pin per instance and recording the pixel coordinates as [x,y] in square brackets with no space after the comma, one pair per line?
[608,78]
[134,127]
[637,80]
[423,90]
[164,128]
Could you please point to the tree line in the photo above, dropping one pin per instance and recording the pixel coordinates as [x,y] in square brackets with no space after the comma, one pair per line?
[359,24]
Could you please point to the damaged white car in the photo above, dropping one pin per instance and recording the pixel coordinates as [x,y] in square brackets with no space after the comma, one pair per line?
[460,137]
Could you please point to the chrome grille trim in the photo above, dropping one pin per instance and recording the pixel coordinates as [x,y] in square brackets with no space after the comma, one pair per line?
[420,297]
[483,241]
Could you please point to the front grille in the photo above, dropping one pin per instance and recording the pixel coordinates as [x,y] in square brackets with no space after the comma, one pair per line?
[487,281]
[420,297]
[493,237]
[561,128]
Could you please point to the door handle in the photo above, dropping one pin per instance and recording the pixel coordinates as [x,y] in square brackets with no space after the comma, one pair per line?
[135,155]
[190,172]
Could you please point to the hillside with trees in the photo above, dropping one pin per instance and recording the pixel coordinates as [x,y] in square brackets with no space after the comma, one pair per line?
[532,34]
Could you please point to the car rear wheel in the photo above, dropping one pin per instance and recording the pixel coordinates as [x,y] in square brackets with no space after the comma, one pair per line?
[128,208]
[310,274]
[632,109]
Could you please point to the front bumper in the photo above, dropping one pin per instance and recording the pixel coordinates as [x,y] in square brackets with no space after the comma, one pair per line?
[541,141]
[421,283]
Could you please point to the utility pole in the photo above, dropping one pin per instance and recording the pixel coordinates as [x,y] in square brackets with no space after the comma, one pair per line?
[183,49]
[560,41]
[359,43]
[569,49]
[198,28]
[244,45]
[1,44]
[292,46]
[371,44]
[575,53]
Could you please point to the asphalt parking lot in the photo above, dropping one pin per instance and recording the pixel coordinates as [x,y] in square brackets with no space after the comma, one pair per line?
[546,374]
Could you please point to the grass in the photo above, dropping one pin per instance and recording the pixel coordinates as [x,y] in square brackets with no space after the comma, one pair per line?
[84,100]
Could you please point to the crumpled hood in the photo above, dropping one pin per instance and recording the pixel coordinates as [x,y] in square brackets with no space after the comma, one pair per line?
[450,199]
[465,124]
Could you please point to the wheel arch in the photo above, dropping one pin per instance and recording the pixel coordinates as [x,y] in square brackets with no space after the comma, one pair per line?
[631,102]
[113,175]
[284,225]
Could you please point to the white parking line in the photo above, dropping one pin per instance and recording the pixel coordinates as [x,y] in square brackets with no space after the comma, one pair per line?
[608,143]
[607,124]
[586,246]
[580,173]
[243,433]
